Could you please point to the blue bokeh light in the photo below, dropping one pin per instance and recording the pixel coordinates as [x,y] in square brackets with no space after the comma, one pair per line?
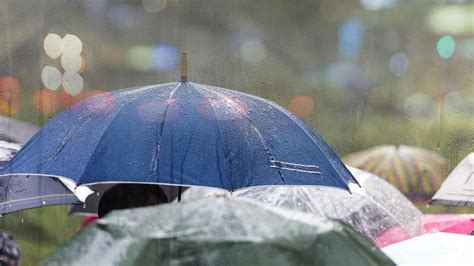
[164,57]
[351,37]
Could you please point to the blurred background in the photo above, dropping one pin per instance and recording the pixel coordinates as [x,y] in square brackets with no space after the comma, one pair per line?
[361,72]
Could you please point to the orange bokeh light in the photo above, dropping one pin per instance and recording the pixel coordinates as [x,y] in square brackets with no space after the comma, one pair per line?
[301,106]
[9,88]
[46,101]
[9,107]
[68,100]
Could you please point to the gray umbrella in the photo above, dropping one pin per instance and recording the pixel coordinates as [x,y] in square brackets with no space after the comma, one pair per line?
[13,130]
[216,231]
[18,192]
[377,210]
[458,188]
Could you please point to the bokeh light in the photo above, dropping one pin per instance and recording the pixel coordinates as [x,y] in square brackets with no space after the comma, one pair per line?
[9,88]
[72,45]
[9,107]
[152,110]
[398,64]
[252,51]
[73,83]
[374,5]
[46,101]
[154,6]
[139,57]
[351,37]
[53,45]
[71,62]
[451,19]
[301,106]
[67,100]
[164,57]
[446,46]
[419,106]
[51,77]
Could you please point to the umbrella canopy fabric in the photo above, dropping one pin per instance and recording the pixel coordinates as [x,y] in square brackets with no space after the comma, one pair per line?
[29,191]
[180,134]
[433,249]
[372,210]
[458,188]
[417,172]
[449,223]
[20,192]
[12,130]
[215,231]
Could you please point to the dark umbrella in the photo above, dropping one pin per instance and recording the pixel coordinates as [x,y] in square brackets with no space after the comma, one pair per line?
[12,130]
[180,133]
[18,192]
[377,210]
[214,231]
[458,188]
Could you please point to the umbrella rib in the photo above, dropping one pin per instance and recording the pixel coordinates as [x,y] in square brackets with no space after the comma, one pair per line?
[270,156]
[155,159]
[312,137]
[387,212]
[112,120]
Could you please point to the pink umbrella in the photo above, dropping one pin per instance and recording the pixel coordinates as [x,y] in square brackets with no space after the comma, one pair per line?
[450,223]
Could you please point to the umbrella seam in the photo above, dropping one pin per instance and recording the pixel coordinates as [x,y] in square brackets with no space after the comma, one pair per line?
[106,130]
[304,130]
[156,169]
[270,156]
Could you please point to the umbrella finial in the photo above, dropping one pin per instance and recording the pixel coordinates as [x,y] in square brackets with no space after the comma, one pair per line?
[184,67]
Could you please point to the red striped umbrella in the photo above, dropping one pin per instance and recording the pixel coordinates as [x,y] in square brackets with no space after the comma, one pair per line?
[416,172]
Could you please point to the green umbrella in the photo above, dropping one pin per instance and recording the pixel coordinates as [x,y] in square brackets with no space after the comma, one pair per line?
[416,172]
[216,231]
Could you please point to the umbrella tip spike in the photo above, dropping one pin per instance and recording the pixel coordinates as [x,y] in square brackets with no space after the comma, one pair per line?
[184,66]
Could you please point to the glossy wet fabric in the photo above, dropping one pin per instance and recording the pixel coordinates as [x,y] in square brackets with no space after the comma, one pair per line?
[458,188]
[215,231]
[181,133]
[19,192]
[376,210]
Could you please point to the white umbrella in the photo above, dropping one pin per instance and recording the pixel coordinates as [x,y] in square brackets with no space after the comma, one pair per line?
[433,249]
[458,188]
[377,210]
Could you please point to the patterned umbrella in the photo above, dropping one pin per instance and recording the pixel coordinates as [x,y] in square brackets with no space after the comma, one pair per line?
[417,172]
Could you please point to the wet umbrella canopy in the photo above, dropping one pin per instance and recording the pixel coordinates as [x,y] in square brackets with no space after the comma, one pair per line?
[372,210]
[458,188]
[416,172]
[216,231]
[29,191]
[180,133]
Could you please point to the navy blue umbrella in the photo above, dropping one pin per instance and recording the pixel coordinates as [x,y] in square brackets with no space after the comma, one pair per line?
[19,192]
[180,133]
